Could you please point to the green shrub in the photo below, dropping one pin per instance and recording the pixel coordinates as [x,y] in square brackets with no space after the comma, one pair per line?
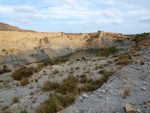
[77,59]
[89,80]
[135,40]
[24,111]
[112,49]
[3,50]
[83,58]
[119,40]
[90,87]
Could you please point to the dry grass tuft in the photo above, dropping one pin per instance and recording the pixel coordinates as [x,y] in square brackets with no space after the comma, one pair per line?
[55,103]
[15,99]
[24,81]
[127,91]
[142,61]
[24,71]
[48,85]
[69,85]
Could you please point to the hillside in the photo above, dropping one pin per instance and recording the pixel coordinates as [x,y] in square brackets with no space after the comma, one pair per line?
[28,47]
[7,27]
[35,78]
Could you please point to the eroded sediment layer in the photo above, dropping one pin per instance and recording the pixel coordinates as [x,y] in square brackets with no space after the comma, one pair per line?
[28,47]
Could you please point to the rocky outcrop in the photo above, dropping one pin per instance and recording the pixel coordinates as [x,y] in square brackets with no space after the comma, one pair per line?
[29,47]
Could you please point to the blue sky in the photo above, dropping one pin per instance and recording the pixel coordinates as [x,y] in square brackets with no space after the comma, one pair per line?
[78,16]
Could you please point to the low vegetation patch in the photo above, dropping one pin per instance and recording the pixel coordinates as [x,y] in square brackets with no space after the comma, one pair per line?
[108,51]
[127,91]
[24,72]
[48,85]
[24,81]
[83,78]
[142,62]
[124,59]
[66,91]
[24,111]
[55,71]
[54,62]
[69,85]
[119,40]
[56,103]
[15,99]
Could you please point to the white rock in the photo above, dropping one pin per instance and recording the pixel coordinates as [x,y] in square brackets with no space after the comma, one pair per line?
[145,83]
[143,88]
[139,111]
[129,108]
[84,95]
[107,98]
[103,91]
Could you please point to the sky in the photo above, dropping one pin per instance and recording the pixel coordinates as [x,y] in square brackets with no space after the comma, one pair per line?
[78,16]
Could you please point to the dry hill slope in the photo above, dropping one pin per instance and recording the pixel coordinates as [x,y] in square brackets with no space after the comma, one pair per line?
[7,27]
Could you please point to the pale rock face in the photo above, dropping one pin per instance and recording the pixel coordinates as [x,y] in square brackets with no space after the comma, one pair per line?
[29,47]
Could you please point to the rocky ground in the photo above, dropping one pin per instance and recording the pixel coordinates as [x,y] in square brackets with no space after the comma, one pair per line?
[31,95]
[134,79]
[109,98]
[126,91]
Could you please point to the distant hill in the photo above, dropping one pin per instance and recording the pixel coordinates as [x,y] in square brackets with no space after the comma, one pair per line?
[7,27]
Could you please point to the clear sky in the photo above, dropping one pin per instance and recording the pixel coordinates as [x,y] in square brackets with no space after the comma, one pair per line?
[78,16]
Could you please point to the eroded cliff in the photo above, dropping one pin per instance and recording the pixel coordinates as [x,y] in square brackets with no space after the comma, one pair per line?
[28,47]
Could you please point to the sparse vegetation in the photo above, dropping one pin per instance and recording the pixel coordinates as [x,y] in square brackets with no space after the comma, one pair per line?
[24,81]
[69,85]
[6,111]
[24,71]
[24,111]
[83,78]
[3,50]
[119,40]
[56,103]
[101,71]
[48,85]
[77,68]
[142,62]
[124,59]
[53,62]
[127,91]
[55,71]
[15,99]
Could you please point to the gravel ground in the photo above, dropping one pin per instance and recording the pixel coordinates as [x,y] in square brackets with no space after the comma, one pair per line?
[108,99]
